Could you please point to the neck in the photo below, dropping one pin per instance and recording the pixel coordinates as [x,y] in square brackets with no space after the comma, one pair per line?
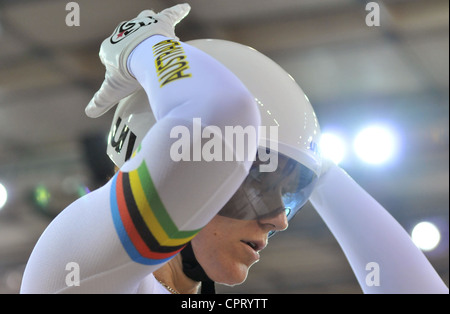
[172,275]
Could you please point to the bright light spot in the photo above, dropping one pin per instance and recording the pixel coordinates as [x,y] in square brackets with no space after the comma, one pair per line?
[426,236]
[375,144]
[332,147]
[42,196]
[3,196]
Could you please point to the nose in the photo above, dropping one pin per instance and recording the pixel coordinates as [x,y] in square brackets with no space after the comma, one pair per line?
[274,223]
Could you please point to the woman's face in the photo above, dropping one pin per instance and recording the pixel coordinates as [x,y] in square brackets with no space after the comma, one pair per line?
[226,248]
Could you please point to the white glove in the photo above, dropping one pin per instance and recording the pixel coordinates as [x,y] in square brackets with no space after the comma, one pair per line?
[114,52]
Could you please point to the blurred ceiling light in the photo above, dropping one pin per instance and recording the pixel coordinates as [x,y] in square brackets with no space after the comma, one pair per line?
[3,196]
[42,196]
[332,147]
[375,144]
[426,236]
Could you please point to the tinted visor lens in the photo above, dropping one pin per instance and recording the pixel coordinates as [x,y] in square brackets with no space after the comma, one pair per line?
[265,194]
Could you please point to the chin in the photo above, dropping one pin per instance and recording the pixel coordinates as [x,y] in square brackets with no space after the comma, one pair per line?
[231,278]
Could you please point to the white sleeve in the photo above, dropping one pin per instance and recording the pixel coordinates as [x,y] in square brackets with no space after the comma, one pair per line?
[380,252]
[109,240]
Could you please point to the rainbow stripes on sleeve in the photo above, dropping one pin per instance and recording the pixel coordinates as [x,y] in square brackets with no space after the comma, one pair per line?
[143,225]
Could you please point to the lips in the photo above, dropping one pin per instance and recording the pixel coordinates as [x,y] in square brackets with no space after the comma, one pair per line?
[256,245]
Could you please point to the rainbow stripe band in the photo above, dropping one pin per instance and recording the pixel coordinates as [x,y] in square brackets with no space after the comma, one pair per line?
[144,227]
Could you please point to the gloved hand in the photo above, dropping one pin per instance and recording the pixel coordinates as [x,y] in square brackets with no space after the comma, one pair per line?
[115,50]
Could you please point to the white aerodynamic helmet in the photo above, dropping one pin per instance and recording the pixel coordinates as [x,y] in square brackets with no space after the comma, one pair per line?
[282,105]
[281,101]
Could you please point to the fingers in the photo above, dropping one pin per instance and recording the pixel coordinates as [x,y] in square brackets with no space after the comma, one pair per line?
[109,94]
[176,13]
[146,13]
[92,110]
[100,103]
[115,86]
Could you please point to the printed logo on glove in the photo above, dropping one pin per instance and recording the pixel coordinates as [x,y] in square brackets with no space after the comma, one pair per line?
[127,28]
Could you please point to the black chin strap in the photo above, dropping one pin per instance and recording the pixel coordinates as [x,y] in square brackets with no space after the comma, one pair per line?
[193,270]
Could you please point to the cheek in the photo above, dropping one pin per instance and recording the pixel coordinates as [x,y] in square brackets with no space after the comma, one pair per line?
[208,245]
[216,250]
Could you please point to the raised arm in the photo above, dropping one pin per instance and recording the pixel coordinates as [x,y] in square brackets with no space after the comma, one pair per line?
[122,232]
[379,250]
